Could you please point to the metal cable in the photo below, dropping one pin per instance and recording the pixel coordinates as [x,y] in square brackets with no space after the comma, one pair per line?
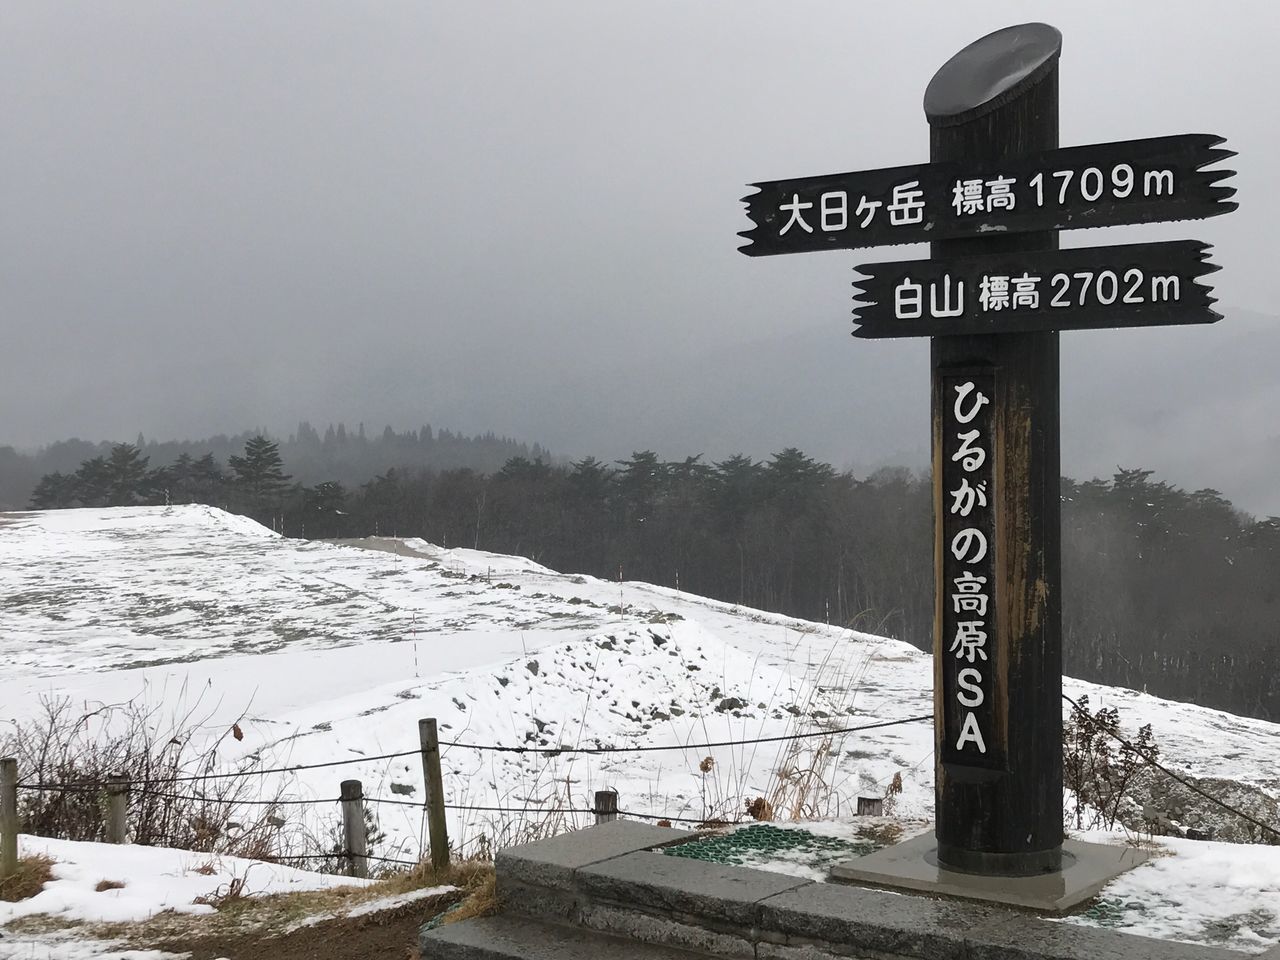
[1080,711]
[556,751]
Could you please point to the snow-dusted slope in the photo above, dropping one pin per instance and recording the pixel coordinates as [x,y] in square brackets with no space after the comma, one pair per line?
[334,652]
[337,651]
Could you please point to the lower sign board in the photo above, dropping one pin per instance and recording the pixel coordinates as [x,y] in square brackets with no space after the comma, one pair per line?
[968,596]
[1133,285]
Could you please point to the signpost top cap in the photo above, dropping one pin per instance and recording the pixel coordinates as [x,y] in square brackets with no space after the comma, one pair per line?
[990,72]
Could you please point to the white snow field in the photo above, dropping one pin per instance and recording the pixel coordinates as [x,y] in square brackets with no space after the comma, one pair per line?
[327,652]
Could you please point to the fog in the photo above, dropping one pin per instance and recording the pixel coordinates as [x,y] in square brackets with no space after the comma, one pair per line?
[522,218]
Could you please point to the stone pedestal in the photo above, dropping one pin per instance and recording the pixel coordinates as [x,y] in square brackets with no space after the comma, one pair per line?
[913,865]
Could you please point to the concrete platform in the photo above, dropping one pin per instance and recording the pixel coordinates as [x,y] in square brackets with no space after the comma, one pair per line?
[608,891]
[913,865]
[520,938]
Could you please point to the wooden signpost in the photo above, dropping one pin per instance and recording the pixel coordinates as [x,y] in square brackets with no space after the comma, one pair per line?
[992,298]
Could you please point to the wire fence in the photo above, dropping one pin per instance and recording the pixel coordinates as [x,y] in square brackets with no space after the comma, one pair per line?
[709,745]
[482,747]
[1151,761]
[149,787]
[352,801]
[230,775]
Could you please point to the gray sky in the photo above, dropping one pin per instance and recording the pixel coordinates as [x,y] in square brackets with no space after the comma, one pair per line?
[522,216]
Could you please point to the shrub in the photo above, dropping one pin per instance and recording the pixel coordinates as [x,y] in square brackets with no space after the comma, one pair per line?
[1104,780]
[66,757]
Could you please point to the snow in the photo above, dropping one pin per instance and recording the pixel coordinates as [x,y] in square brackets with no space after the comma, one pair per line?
[1227,893]
[327,652]
[154,879]
[70,947]
[390,903]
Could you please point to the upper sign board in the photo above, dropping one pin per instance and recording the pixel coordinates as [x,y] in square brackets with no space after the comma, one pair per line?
[1099,185]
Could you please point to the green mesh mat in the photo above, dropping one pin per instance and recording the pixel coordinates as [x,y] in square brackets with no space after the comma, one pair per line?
[439,918]
[1107,911]
[763,841]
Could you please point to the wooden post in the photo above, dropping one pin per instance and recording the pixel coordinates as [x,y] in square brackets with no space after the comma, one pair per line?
[353,829]
[606,806]
[117,808]
[999,813]
[8,817]
[871,806]
[434,783]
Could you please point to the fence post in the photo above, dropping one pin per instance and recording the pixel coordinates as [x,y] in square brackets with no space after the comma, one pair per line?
[606,806]
[437,830]
[871,806]
[8,817]
[353,828]
[117,808]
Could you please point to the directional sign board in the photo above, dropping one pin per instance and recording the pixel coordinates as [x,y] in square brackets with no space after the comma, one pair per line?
[1132,285]
[993,305]
[1100,185]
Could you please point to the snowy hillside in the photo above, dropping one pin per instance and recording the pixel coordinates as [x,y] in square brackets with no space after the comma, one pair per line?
[336,652]
[332,652]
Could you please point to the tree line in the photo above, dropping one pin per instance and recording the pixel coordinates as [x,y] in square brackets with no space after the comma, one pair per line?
[348,456]
[1172,591]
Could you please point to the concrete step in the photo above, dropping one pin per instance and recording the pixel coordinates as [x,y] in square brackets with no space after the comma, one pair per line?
[511,937]
[613,881]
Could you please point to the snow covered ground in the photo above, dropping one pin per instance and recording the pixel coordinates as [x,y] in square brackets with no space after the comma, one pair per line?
[330,652]
[140,882]
[151,879]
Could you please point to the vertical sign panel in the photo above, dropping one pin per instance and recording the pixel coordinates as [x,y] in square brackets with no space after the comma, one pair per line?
[969,648]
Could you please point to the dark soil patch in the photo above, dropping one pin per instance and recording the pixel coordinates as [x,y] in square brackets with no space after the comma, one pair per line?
[390,935]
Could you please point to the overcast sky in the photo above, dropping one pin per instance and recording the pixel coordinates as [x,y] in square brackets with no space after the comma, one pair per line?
[521,217]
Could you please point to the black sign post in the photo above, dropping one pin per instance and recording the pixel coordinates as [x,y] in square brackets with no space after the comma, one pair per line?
[999,812]
[992,298]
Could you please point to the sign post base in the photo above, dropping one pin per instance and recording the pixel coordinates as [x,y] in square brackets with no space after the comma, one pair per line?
[913,865]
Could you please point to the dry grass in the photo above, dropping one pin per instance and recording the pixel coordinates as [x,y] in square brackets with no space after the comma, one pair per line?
[240,912]
[884,833]
[67,745]
[105,885]
[465,874]
[33,873]
[234,891]
[481,901]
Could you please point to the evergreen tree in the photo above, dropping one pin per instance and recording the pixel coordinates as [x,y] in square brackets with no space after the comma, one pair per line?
[322,510]
[54,491]
[126,472]
[208,481]
[93,482]
[260,472]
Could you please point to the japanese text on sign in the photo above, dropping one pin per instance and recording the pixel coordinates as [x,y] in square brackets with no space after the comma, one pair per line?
[968,605]
[904,203]
[1137,284]
[995,292]
[1133,181]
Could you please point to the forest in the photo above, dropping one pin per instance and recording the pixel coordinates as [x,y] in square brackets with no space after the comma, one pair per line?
[1170,591]
[346,456]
